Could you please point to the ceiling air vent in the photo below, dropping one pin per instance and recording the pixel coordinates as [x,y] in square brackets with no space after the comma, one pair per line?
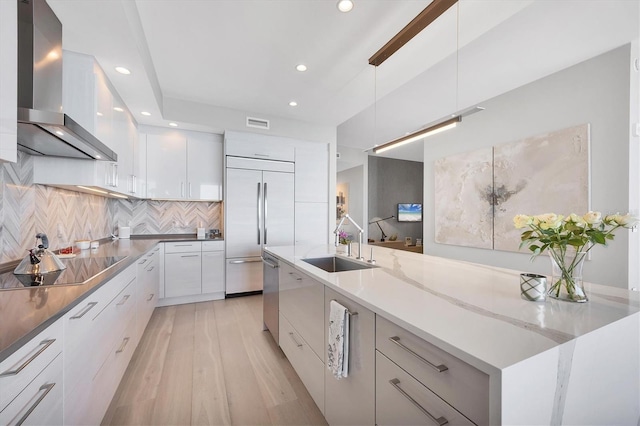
[258,123]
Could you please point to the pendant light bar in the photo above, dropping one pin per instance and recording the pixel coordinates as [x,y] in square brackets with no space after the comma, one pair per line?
[420,22]
[420,134]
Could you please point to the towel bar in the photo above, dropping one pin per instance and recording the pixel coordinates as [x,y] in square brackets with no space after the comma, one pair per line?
[351,314]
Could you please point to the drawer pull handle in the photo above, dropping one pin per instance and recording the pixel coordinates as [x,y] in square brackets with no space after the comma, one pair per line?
[269,263]
[152,268]
[439,368]
[183,245]
[190,255]
[124,299]
[298,344]
[143,261]
[150,297]
[238,262]
[46,388]
[440,421]
[45,344]
[84,311]
[295,276]
[123,345]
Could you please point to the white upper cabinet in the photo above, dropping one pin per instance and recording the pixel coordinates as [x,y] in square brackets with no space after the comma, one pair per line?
[204,167]
[8,80]
[183,165]
[166,165]
[89,98]
[312,172]
[254,145]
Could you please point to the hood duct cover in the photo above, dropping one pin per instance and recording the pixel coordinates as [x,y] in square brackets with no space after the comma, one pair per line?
[42,128]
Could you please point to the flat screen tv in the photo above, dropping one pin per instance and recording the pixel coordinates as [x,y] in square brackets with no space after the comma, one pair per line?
[409,212]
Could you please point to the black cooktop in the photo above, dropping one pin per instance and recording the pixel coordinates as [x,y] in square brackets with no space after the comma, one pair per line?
[79,270]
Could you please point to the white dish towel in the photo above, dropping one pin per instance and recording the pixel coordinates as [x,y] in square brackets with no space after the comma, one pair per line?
[338,348]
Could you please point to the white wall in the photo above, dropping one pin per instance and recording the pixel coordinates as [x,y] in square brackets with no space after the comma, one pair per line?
[595,91]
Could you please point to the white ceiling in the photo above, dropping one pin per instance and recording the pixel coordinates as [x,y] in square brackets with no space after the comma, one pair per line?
[241,54]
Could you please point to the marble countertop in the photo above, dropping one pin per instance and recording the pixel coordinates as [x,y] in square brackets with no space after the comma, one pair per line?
[27,311]
[472,311]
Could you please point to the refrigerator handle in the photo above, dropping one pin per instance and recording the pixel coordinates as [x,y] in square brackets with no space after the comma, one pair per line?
[259,213]
[265,213]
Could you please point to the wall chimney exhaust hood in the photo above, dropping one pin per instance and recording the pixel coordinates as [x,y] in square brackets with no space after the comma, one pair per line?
[43,129]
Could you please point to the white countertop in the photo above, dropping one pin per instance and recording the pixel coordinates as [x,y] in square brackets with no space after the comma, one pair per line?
[473,311]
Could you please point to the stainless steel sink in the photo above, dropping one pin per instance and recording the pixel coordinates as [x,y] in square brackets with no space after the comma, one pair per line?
[337,264]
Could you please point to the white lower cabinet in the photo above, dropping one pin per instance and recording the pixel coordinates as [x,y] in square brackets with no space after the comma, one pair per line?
[213,268]
[193,272]
[31,381]
[351,400]
[182,274]
[92,333]
[147,288]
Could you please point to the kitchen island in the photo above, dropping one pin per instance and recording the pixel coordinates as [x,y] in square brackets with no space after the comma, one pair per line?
[549,362]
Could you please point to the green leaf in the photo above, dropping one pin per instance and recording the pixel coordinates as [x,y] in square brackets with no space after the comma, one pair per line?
[599,238]
[534,248]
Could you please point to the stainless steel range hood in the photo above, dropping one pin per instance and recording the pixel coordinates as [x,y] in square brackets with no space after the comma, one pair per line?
[43,129]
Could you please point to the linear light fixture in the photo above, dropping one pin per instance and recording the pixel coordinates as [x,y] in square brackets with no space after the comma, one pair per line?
[419,23]
[420,134]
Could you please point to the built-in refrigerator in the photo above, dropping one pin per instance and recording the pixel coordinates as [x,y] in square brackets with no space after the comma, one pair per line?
[259,212]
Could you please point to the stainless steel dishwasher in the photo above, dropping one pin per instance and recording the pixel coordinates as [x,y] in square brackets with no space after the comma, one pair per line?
[270,297]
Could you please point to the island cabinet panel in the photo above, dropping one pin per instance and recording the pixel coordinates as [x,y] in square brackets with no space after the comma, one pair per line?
[309,367]
[462,386]
[351,400]
[402,400]
[301,302]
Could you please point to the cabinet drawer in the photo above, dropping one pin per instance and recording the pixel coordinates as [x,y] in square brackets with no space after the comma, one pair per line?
[40,403]
[183,247]
[19,369]
[461,385]
[213,245]
[302,302]
[309,367]
[402,400]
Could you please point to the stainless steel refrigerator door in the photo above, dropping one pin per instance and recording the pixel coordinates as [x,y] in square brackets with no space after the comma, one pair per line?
[243,233]
[278,209]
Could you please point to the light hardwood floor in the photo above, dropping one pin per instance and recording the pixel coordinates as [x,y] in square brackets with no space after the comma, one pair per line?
[210,363]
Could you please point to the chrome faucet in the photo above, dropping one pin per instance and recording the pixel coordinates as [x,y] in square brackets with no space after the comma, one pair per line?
[360,232]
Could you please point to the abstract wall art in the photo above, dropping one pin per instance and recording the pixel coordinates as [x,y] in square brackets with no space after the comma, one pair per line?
[478,193]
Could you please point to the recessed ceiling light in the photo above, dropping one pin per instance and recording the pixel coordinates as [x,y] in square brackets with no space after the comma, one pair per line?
[172,124]
[123,70]
[99,114]
[293,103]
[345,5]
[98,157]
[118,109]
[58,132]
[145,113]
[301,67]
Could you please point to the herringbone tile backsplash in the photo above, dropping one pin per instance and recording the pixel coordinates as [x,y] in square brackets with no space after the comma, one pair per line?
[26,209]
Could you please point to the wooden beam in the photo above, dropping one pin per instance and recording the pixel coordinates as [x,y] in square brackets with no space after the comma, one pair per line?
[419,23]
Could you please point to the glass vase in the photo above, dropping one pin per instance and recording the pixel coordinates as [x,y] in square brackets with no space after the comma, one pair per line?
[566,276]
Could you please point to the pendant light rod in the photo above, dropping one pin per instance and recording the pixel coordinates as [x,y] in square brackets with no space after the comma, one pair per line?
[419,23]
[420,134]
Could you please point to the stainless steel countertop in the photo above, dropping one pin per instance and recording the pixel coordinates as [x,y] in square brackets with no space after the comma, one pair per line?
[26,312]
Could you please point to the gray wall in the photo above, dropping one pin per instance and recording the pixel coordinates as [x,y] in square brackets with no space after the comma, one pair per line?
[596,92]
[391,182]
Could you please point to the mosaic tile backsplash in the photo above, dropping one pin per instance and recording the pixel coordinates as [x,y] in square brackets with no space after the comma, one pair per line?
[66,216]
